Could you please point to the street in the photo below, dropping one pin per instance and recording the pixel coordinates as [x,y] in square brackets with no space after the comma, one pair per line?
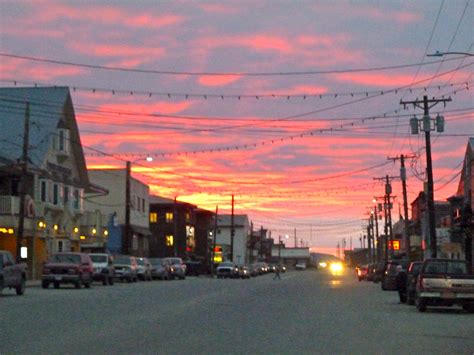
[305,312]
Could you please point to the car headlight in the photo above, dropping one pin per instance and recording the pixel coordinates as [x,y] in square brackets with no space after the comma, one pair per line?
[336,268]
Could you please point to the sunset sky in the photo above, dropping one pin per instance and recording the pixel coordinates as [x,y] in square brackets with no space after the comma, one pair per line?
[292,106]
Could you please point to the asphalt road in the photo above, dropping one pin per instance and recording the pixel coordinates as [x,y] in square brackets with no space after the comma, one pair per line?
[306,312]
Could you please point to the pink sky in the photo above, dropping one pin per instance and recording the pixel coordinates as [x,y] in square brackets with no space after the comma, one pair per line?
[293,158]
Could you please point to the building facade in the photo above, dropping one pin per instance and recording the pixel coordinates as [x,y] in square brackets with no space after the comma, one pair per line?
[54,178]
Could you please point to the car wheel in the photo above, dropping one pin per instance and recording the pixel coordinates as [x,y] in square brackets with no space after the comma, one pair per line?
[111,280]
[420,303]
[87,284]
[410,300]
[469,307]
[56,285]
[77,284]
[44,284]
[104,281]
[20,289]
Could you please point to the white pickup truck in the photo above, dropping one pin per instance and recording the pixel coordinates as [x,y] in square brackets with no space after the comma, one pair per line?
[445,282]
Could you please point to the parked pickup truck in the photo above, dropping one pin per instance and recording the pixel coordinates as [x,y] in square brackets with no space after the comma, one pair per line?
[445,282]
[12,275]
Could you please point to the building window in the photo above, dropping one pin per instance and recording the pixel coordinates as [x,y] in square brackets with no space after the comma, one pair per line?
[77,199]
[66,195]
[169,217]
[143,205]
[153,217]
[169,240]
[63,140]
[60,246]
[188,216]
[43,191]
[57,194]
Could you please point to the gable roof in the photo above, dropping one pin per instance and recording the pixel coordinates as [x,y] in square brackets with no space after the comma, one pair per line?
[50,108]
[467,162]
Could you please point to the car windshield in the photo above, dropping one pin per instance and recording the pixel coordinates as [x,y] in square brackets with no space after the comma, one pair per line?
[141,261]
[443,267]
[225,264]
[122,260]
[99,258]
[175,261]
[156,261]
[416,267]
[66,258]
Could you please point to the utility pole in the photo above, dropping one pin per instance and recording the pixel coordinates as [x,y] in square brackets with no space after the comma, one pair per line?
[296,242]
[376,218]
[214,241]
[24,173]
[232,232]
[175,226]
[388,213]
[426,126]
[126,235]
[403,176]
[369,244]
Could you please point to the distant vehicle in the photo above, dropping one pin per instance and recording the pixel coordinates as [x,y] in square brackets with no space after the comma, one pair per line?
[64,268]
[300,266]
[194,268]
[392,268]
[362,272]
[445,282]
[379,271]
[160,269]
[282,267]
[336,268]
[272,267]
[103,268]
[126,268]
[178,268]
[144,269]
[12,275]
[254,270]
[412,276]
[371,272]
[244,272]
[227,269]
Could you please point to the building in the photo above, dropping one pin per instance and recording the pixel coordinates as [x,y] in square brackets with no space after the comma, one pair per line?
[235,248]
[55,177]
[462,205]
[123,238]
[173,227]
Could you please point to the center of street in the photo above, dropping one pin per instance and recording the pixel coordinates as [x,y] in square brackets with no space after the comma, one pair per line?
[305,312]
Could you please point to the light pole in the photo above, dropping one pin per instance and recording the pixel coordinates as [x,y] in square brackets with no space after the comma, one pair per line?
[126,248]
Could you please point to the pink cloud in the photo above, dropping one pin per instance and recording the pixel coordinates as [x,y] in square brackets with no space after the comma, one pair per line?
[217,80]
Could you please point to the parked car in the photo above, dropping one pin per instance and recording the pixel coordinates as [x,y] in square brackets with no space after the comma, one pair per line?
[103,268]
[227,269]
[379,271]
[412,276]
[194,268]
[272,267]
[126,268]
[178,268]
[64,268]
[371,271]
[392,268]
[300,266]
[362,272]
[160,269]
[254,270]
[12,275]
[445,282]
[244,272]
[282,267]
[144,269]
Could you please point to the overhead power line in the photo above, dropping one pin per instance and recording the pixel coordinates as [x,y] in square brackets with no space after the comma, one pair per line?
[190,73]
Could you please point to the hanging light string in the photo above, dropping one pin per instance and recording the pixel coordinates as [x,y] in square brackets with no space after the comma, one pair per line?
[205,96]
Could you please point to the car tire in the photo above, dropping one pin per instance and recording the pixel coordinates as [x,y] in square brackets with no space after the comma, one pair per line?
[87,284]
[56,285]
[44,284]
[469,307]
[111,280]
[105,281]
[77,284]
[420,303]
[20,289]
[410,300]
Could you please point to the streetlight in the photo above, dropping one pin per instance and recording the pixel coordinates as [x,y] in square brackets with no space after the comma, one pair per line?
[128,173]
[440,54]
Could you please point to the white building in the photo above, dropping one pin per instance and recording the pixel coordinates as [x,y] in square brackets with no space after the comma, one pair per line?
[114,206]
[241,236]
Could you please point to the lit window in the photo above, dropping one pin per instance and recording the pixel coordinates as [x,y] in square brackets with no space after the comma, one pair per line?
[169,240]
[153,217]
[169,217]
[188,217]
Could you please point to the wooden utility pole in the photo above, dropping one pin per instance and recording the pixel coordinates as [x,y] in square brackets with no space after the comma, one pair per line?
[126,247]
[403,176]
[23,179]
[214,241]
[426,104]
[232,232]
